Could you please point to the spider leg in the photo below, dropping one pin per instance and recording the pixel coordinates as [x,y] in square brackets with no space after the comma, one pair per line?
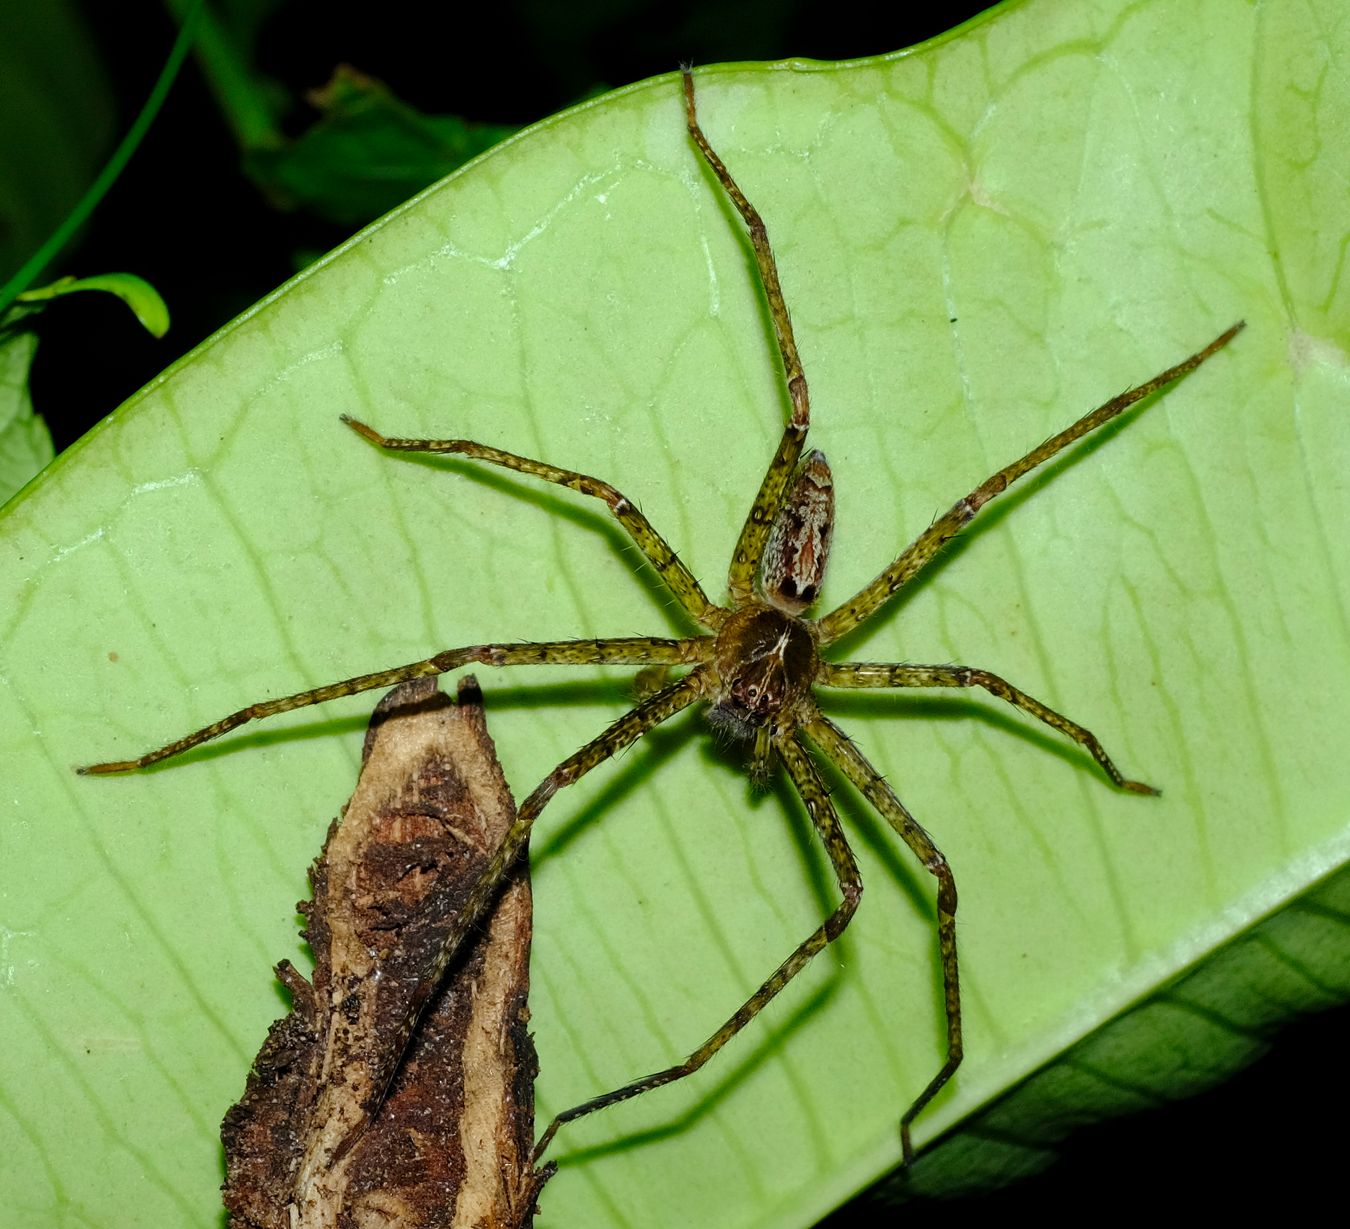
[839,748]
[915,557]
[806,777]
[669,566]
[750,545]
[878,674]
[623,733]
[622,651]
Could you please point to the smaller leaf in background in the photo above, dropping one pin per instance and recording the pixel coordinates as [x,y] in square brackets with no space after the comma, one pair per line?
[25,442]
[1210,1022]
[368,152]
[143,299]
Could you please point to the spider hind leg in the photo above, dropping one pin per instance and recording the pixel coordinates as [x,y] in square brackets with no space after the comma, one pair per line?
[807,780]
[882,674]
[840,750]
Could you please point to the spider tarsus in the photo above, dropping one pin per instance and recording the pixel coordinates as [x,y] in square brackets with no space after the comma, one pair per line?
[1139,787]
[362,430]
[102,770]
[1223,338]
[544,1140]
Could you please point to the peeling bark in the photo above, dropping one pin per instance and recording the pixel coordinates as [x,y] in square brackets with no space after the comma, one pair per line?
[315,1143]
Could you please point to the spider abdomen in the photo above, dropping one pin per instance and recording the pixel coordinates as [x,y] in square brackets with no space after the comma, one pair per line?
[765,661]
[798,546]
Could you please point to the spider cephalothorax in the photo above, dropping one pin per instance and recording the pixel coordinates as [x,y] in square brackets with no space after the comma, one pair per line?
[756,662]
[764,662]
[764,658]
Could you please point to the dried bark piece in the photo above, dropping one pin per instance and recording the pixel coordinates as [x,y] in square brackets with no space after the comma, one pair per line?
[449,1147]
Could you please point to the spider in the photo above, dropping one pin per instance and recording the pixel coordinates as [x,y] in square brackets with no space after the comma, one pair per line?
[756,662]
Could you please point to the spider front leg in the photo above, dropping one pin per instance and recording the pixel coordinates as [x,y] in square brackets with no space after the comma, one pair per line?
[806,778]
[669,566]
[879,674]
[923,550]
[836,746]
[623,651]
[750,545]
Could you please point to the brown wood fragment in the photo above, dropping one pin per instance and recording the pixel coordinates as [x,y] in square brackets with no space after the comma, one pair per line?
[450,1145]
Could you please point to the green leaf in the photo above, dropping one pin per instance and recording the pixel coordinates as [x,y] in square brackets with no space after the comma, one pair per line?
[25,442]
[144,300]
[368,152]
[979,239]
[1182,1040]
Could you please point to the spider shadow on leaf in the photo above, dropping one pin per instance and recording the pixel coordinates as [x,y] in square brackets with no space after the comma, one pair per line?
[961,710]
[553,508]
[772,1040]
[985,526]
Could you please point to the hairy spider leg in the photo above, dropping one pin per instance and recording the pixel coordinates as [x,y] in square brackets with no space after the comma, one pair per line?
[754,533]
[669,566]
[883,674]
[836,746]
[623,733]
[806,779]
[921,552]
[621,651]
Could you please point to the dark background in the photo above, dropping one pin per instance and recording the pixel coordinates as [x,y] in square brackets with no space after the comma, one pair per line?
[212,245]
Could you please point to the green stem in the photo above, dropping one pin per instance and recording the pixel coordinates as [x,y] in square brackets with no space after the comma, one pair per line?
[243,98]
[108,176]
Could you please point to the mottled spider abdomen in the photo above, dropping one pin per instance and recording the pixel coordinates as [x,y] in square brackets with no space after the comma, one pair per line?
[799,541]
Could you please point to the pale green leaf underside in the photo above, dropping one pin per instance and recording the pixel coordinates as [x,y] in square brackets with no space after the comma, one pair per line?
[979,240]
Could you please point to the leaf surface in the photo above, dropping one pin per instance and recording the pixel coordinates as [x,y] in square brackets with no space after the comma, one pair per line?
[979,240]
